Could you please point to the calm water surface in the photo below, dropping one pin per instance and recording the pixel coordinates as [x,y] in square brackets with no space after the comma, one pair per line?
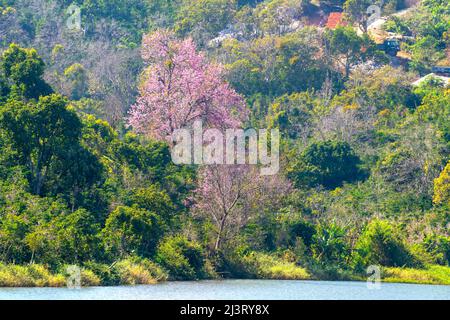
[237,289]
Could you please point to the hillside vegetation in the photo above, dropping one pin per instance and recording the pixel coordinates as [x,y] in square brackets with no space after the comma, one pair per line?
[86,175]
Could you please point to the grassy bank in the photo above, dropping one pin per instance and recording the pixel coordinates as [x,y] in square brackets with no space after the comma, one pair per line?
[129,272]
[266,266]
[430,275]
[124,272]
[29,276]
[434,275]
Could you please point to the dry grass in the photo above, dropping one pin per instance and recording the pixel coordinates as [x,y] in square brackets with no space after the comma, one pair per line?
[36,275]
[431,275]
[29,276]
[135,272]
[271,267]
[129,272]
[89,279]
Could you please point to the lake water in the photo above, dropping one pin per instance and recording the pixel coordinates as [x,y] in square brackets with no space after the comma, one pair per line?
[239,290]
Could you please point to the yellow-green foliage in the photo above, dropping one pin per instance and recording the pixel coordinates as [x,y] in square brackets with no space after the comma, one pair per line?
[129,272]
[182,258]
[431,275]
[89,278]
[271,267]
[29,276]
[139,272]
[442,187]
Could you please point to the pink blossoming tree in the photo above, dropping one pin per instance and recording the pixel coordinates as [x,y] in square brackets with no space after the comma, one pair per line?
[181,86]
[231,195]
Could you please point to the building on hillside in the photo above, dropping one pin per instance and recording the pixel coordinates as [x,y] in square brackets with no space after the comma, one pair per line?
[445,80]
[335,19]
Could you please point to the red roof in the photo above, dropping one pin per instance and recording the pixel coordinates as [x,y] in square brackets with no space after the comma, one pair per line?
[335,20]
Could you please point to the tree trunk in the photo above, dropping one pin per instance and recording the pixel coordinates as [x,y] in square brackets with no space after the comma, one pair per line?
[219,235]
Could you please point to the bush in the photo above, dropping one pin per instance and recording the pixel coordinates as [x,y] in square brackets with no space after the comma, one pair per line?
[272,267]
[70,238]
[241,262]
[438,247]
[304,230]
[442,187]
[132,230]
[108,275]
[36,275]
[329,245]
[380,244]
[328,164]
[290,229]
[155,200]
[330,272]
[231,263]
[183,259]
[89,278]
[29,276]
[431,275]
[131,271]
[134,271]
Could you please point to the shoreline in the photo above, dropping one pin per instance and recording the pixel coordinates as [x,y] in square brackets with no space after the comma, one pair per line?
[432,275]
[225,280]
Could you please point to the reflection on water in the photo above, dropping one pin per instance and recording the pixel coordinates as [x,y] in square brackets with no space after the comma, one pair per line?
[239,290]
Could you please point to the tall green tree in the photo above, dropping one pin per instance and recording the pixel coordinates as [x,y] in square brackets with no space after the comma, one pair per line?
[45,136]
[24,70]
[328,164]
[347,49]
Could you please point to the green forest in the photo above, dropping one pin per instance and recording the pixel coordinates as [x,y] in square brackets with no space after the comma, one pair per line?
[87,178]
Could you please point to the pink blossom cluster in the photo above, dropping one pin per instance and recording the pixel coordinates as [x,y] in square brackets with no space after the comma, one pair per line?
[223,187]
[181,86]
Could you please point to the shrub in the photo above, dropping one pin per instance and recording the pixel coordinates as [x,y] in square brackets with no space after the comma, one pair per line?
[442,187]
[108,275]
[290,229]
[329,245]
[328,164]
[304,230]
[231,263]
[241,262]
[331,272]
[29,276]
[135,271]
[381,244]
[69,238]
[272,267]
[184,259]
[132,230]
[438,247]
[431,275]
[155,200]
[89,278]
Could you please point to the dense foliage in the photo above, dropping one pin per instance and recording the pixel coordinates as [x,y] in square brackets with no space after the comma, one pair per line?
[86,175]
